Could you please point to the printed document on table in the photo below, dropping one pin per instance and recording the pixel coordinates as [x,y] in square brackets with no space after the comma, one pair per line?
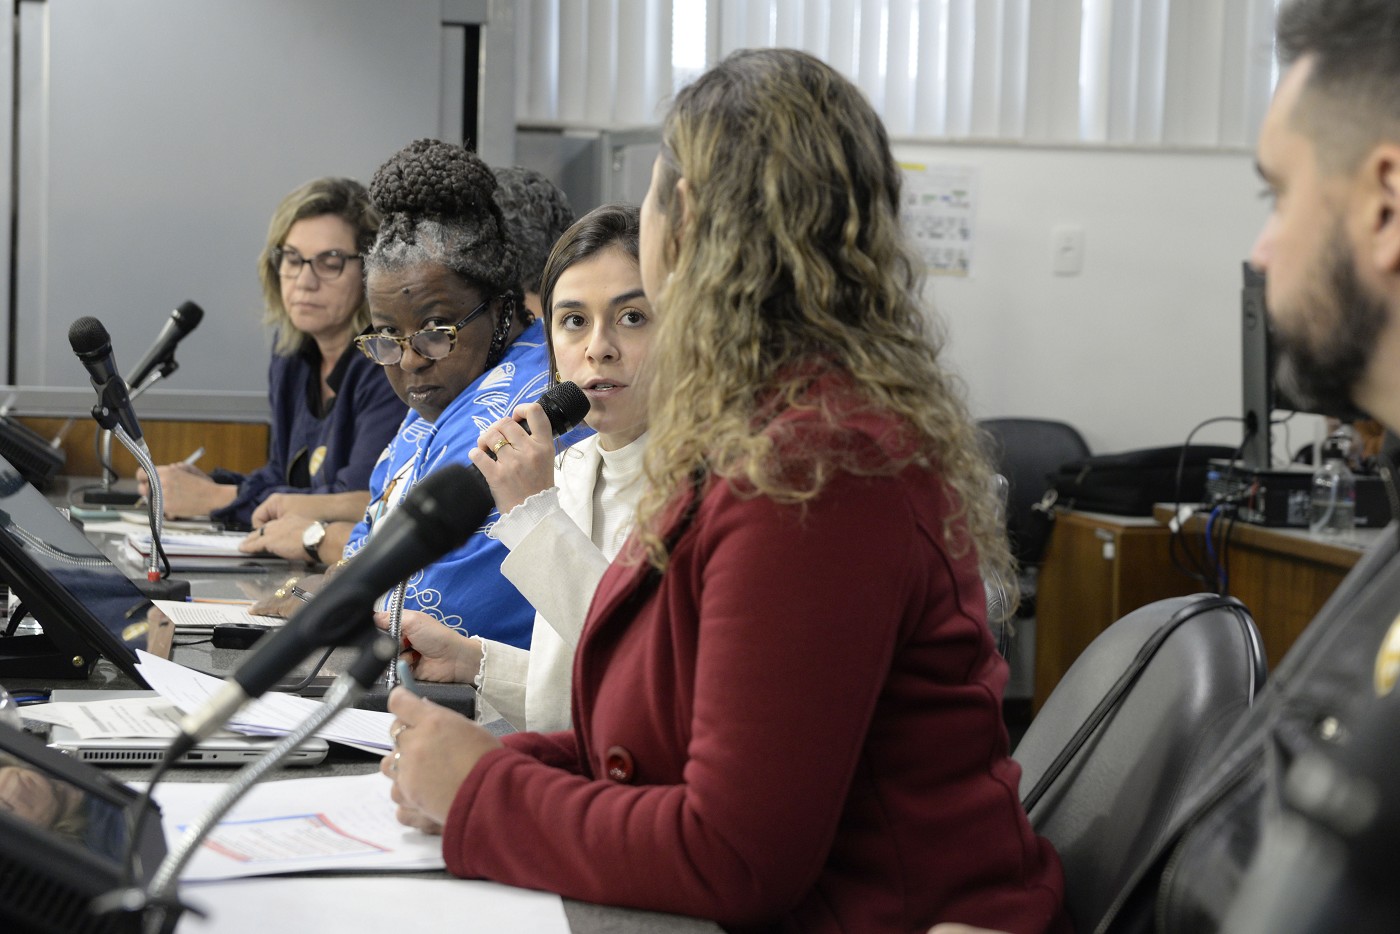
[273,714]
[190,617]
[338,822]
[370,903]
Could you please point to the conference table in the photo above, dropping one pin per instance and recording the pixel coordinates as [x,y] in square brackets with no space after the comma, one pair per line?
[198,653]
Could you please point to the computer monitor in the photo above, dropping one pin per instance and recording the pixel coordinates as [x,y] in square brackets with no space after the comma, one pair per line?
[1262,395]
[86,606]
[65,836]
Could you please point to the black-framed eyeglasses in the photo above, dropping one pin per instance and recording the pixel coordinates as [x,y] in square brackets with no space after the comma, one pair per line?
[326,265]
[429,343]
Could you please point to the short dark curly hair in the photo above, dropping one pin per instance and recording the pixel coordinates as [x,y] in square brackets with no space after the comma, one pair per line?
[537,213]
[438,205]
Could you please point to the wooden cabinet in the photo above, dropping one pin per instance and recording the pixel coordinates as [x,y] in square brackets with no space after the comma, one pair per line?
[1097,569]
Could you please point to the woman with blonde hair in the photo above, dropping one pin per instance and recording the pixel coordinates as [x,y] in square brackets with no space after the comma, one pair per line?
[787,702]
[332,411]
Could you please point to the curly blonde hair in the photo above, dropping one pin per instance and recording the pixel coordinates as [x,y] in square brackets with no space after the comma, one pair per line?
[786,253]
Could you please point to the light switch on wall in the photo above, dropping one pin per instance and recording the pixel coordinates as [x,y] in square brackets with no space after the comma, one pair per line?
[1067,250]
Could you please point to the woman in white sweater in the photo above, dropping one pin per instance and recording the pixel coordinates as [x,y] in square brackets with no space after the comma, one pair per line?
[563,517]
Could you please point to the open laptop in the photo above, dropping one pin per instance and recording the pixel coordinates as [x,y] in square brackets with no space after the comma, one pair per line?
[137,751]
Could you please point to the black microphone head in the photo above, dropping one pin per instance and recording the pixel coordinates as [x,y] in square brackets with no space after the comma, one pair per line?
[566,405]
[87,336]
[436,502]
[187,317]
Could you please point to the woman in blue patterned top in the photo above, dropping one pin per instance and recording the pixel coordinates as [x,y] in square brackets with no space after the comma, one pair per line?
[449,328]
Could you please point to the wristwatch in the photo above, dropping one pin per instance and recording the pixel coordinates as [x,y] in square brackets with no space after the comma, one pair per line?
[311,540]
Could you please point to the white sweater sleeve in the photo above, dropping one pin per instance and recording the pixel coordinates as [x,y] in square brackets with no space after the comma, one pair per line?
[501,680]
[557,568]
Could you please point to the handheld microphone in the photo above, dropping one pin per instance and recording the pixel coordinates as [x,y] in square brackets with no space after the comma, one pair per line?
[436,517]
[182,321]
[93,345]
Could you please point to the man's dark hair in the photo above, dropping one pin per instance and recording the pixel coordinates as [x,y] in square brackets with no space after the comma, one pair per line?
[1352,99]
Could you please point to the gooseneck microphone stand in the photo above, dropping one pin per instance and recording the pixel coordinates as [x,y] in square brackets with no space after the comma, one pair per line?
[105,496]
[159,902]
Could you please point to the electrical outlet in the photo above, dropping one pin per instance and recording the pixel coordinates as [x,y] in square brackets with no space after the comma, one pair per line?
[1067,250]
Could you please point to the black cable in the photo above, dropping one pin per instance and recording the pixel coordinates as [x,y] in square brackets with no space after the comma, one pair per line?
[315,670]
[1232,519]
[108,472]
[1201,573]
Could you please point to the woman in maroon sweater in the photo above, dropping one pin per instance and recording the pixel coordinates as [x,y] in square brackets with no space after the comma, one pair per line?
[786,697]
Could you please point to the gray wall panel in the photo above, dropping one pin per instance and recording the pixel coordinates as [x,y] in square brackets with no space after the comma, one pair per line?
[166,132]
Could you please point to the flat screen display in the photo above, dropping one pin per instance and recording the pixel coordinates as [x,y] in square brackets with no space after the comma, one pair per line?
[85,604]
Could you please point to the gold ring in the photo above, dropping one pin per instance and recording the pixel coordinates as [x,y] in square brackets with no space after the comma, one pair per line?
[398,728]
[287,589]
[503,443]
[394,762]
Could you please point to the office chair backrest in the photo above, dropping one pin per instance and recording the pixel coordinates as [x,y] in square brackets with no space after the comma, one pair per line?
[1129,726]
[1027,451]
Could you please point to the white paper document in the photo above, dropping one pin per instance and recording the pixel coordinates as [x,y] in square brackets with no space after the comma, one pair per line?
[192,617]
[377,903]
[340,822]
[273,714]
[102,719]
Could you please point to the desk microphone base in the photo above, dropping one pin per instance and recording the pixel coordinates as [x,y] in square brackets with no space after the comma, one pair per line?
[171,588]
[110,498]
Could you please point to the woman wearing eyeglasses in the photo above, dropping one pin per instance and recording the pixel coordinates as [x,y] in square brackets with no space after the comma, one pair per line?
[450,330]
[332,410]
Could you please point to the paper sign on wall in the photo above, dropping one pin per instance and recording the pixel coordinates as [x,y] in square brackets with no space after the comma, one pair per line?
[940,215]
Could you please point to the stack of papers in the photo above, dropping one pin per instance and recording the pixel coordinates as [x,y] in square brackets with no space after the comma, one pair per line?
[298,825]
[341,824]
[273,714]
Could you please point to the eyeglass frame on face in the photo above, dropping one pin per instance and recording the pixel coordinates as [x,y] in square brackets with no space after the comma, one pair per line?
[317,263]
[365,340]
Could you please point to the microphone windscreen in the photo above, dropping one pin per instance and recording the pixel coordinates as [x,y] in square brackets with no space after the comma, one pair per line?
[566,405]
[188,316]
[437,501]
[87,335]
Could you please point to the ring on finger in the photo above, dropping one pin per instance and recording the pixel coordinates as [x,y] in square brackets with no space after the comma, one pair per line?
[394,762]
[503,443]
[398,728]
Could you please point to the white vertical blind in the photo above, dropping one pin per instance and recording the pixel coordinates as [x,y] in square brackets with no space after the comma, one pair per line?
[1128,72]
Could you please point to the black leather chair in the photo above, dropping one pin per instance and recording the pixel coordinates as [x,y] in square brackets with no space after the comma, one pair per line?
[1027,451]
[1106,759]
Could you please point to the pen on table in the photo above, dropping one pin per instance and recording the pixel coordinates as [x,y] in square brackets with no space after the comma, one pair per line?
[215,600]
[195,456]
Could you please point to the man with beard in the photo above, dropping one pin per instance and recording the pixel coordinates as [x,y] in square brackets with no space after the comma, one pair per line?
[1329,154]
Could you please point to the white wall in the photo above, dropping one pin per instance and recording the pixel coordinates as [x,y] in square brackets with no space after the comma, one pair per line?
[1141,346]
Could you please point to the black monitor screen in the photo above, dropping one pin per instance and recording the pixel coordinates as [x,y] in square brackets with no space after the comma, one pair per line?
[1261,392]
[85,604]
[65,833]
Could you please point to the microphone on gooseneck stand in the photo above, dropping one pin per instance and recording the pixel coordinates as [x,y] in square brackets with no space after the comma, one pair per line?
[161,357]
[436,517]
[93,345]
[113,411]
[159,362]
